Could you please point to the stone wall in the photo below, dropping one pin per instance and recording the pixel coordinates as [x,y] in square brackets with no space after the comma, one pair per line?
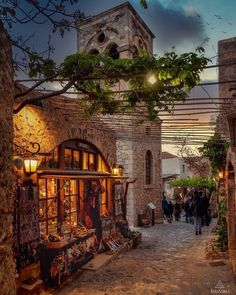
[7,276]
[227,56]
[50,127]
[231,205]
[131,154]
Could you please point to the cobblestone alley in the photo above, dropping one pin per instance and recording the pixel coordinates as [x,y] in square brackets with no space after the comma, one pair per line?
[170,260]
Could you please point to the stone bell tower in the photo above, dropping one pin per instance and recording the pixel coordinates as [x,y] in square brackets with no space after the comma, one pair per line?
[121,33]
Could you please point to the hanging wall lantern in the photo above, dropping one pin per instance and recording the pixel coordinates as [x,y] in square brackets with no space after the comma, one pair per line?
[30,164]
[30,160]
[115,170]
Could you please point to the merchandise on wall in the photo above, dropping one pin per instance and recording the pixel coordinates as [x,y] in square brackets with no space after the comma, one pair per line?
[61,258]
[26,246]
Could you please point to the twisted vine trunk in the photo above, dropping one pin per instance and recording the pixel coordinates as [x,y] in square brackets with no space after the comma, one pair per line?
[7,278]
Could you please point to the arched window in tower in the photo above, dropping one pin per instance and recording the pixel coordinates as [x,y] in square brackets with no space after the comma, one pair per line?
[94,51]
[101,38]
[112,51]
[149,167]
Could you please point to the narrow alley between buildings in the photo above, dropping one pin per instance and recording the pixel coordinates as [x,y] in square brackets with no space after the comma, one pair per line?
[170,260]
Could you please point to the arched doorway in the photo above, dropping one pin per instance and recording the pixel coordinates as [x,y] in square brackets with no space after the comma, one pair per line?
[74,186]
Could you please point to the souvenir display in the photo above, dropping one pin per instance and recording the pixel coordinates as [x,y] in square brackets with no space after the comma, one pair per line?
[61,258]
[28,254]
[26,226]
[119,198]
[112,245]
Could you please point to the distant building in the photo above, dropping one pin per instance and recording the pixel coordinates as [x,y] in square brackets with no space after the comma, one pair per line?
[173,167]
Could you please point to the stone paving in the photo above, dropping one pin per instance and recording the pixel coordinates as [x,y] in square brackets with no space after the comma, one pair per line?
[170,260]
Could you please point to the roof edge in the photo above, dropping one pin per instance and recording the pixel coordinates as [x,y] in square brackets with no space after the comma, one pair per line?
[117,8]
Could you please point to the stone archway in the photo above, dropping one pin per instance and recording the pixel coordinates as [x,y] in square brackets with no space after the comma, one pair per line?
[231,214]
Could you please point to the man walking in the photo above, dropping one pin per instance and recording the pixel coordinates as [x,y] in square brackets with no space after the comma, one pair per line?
[165,207]
[197,212]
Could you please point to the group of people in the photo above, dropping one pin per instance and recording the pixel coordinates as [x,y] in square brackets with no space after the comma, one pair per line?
[196,209]
[169,209]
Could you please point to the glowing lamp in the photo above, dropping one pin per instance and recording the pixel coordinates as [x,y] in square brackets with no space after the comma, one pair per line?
[221,174]
[30,164]
[152,79]
[115,170]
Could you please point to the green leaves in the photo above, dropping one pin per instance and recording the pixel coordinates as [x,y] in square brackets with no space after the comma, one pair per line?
[39,67]
[110,86]
[215,149]
[99,78]
[194,182]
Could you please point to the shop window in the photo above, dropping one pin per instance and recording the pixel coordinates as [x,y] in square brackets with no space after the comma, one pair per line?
[68,158]
[91,162]
[72,158]
[102,165]
[149,167]
[71,203]
[51,161]
[85,161]
[75,155]
[88,161]
[48,205]
[76,159]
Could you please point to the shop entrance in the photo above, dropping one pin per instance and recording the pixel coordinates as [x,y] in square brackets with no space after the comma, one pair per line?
[67,202]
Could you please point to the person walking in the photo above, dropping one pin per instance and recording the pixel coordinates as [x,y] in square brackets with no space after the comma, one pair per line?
[177,211]
[187,210]
[165,207]
[170,209]
[206,213]
[197,212]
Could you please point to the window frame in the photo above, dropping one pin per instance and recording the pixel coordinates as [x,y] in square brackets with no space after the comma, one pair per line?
[148,168]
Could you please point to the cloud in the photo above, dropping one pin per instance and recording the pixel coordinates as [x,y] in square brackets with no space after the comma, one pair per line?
[175,25]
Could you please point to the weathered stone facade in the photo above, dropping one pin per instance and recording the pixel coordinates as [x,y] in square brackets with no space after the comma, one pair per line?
[227,56]
[7,276]
[131,154]
[123,28]
[50,127]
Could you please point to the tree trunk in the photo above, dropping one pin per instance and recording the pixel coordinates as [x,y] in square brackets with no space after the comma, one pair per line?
[7,277]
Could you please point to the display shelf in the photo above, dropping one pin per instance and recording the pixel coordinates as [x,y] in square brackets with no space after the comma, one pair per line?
[57,260]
